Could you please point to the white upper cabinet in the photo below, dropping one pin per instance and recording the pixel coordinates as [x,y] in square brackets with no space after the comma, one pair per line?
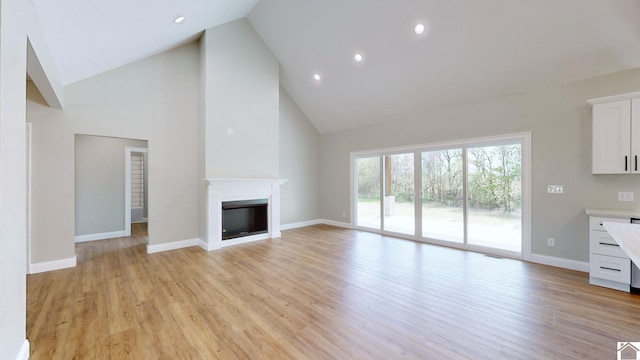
[635,135]
[616,135]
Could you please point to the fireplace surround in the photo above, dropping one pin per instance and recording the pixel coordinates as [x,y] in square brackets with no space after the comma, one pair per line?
[236,191]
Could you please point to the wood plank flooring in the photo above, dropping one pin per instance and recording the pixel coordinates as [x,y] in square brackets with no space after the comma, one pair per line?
[320,293]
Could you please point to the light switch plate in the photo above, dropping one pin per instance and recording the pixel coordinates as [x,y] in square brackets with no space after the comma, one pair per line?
[555,189]
[625,196]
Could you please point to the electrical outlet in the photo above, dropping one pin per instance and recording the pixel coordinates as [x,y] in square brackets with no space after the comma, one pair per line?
[625,196]
[551,242]
[555,189]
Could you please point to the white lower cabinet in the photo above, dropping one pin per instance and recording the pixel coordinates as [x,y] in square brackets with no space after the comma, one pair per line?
[609,266]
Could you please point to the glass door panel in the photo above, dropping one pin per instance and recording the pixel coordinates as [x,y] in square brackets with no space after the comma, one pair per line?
[368,192]
[399,205]
[442,195]
[494,193]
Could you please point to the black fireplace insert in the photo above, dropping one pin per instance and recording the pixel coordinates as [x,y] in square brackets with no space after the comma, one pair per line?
[244,218]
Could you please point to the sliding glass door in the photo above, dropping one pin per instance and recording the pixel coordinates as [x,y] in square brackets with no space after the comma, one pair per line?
[399,205]
[494,196]
[368,192]
[442,195]
[469,195]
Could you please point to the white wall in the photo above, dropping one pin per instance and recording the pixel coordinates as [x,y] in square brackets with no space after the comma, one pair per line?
[100,183]
[155,99]
[560,122]
[299,163]
[241,89]
[17,19]
[52,176]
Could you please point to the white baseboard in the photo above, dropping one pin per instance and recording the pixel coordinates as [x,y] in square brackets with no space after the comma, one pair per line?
[52,265]
[152,249]
[560,262]
[24,351]
[300,224]
[208,247]
[315,222]
[336,223]
[100,236]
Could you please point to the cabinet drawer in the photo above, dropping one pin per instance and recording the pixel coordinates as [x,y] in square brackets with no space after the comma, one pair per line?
[595,222]
[610,268]
[600,242]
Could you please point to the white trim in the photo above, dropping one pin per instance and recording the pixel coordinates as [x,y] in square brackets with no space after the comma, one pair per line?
[152,249]
[211,181]
[527,179]
[560,262]
[479,141]
[127,185]
[609,284]
[52,265]
[300,224]
[245,239]
[100,236]
[612,98]
[336,224]
[24,351]
[29,160]
[352,195]
[203,244]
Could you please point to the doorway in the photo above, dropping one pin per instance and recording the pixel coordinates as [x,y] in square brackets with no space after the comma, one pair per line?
[135,193]
[103,186]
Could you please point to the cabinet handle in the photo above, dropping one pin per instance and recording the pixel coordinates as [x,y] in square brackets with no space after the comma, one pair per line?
[636,162]
[603,243]
[608,268]
[626,158]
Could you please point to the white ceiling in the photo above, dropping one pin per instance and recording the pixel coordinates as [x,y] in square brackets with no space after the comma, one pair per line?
[475,49]
[89,37]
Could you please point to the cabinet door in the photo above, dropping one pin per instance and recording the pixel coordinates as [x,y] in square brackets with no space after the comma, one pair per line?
[612,138]
[635,136]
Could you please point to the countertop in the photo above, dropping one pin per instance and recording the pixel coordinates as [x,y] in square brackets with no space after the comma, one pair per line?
[627,236]
[613,213]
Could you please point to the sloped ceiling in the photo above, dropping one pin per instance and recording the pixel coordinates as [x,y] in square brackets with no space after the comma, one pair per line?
[89,37]
[473,50]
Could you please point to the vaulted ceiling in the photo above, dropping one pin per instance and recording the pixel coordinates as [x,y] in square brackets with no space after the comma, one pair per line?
[471,50]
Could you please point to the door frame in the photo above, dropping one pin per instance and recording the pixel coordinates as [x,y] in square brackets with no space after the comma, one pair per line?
[127,185]
[29,170]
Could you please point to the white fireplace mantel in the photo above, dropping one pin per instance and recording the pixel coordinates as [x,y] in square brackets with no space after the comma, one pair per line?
[226,189]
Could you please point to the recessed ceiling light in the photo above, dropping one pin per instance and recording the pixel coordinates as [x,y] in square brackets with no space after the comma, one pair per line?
[178,20]
[358,57]
[316,77]
[419,29]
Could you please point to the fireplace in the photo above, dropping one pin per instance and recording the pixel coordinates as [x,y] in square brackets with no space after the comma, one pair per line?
[244,218]
[254,203]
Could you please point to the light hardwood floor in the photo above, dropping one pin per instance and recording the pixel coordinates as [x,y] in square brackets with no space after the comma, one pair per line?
[320,293]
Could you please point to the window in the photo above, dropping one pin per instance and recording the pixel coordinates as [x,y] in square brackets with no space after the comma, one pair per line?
[470,194]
